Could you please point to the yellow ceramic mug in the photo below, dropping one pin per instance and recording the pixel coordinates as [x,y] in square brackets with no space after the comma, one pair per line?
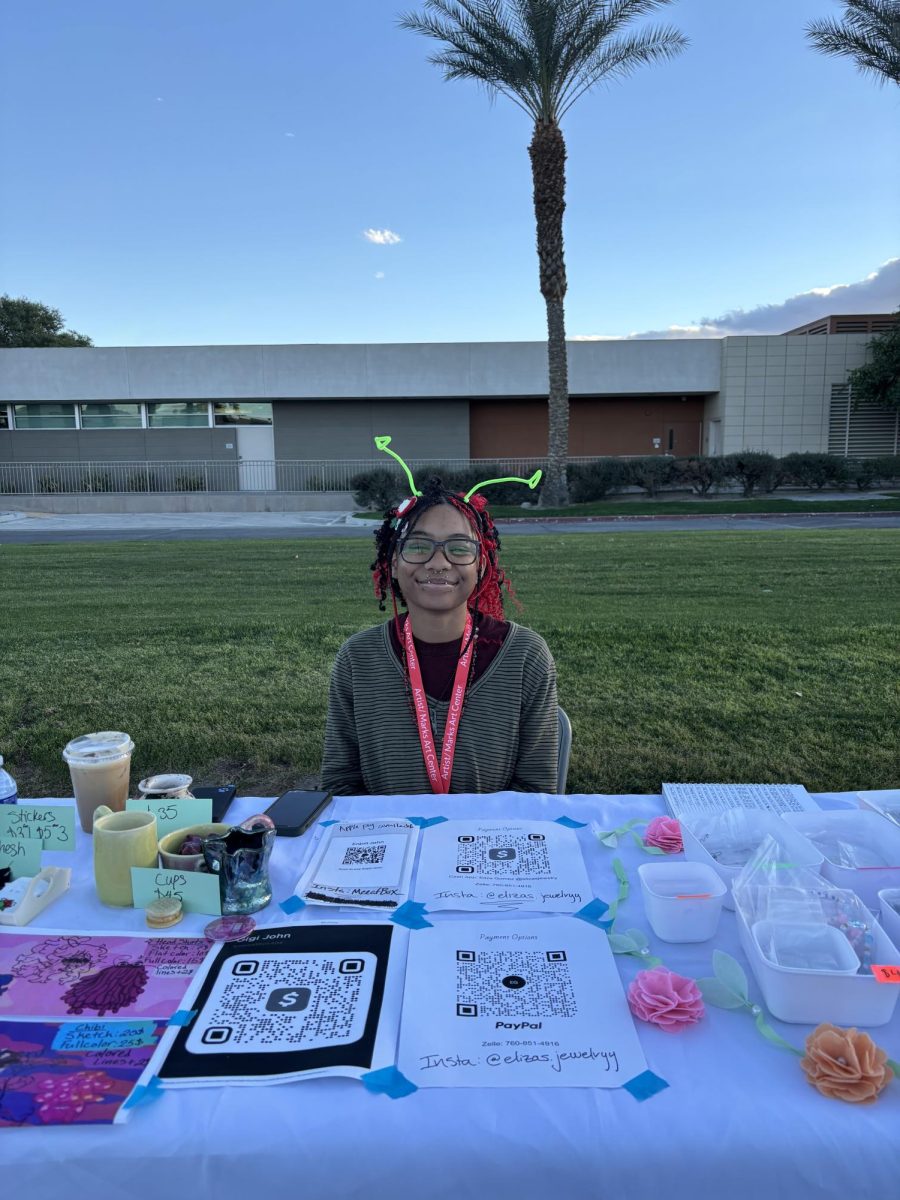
[122,840]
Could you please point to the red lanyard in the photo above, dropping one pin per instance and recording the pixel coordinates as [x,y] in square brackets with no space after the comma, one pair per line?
[439,777]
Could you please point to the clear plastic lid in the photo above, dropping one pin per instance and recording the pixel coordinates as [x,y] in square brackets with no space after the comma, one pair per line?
[96,748]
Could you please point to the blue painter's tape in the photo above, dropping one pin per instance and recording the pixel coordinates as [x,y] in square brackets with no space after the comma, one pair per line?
[570,824]
[325,824]
[183,1016]
[143,1093]
[411,915]
[425,822]
[388,1082]
[292,904]
[645,1085]
[592,912]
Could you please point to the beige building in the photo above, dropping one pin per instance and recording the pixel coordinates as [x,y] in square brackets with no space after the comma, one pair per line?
[255,411]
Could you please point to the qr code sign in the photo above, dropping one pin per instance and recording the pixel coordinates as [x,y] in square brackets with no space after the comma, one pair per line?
[369,856]
[527,984]
[285,1002]
[502,855]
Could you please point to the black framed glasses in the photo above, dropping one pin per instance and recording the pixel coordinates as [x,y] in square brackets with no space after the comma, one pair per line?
[418,549]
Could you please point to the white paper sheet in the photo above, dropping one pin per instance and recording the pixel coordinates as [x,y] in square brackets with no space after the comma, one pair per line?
[361,864]
[686,800]
[290,1002]
[484,866]
[530,1003]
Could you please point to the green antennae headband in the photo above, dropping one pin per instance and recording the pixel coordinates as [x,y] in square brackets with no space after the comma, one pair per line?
[383,442]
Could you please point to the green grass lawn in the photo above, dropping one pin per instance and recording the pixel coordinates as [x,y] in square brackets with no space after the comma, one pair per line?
[689,656]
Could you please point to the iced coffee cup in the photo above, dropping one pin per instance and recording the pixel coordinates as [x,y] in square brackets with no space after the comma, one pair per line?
[100,766]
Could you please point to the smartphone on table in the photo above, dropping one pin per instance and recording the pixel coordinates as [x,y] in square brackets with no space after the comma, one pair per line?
[294,811]
[221,797]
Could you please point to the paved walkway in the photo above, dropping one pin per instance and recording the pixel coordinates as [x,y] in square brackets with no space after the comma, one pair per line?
[79,527]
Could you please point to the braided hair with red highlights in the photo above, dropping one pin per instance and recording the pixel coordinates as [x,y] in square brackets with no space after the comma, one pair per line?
[399,522]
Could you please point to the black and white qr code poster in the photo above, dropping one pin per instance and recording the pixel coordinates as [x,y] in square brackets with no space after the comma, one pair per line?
[361,864]
[290,1001]
[483,866]
[515,1004]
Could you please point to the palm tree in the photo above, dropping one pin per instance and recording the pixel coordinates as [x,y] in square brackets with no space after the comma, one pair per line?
[544,55]
[870,35]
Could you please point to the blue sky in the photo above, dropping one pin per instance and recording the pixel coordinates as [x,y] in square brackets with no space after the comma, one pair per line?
[204,173]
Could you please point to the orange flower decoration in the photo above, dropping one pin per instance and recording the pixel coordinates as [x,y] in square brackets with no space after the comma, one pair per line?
[845,1065]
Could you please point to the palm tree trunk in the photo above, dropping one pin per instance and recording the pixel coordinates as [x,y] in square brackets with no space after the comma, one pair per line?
[548,170]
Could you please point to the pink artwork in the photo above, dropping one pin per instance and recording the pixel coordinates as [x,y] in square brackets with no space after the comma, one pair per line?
[61,976]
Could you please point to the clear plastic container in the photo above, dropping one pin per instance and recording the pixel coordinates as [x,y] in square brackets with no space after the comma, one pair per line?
[9,793]
[889,899]
[811,997]
[806,947]
[750,827]
[860,835]
[682,900]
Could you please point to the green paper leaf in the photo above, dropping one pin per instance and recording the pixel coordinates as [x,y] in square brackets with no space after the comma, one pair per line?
[895,1067]
[610,840]
[620,871]
[731,974]
[638,937]
[771,1036]
[621,943]
[642,845]
[716,993]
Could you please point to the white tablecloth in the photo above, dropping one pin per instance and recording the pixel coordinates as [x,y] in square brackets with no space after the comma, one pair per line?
[738,1119]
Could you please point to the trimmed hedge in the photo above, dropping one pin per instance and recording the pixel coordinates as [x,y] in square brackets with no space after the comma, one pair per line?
[755,471]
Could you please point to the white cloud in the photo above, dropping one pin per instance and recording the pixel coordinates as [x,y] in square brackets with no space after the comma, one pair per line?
[878,292]
[290,135]
[159,99]
[382,237]
[379,274]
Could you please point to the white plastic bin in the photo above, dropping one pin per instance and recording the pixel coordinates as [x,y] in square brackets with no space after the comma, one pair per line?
[798,850]
[866,829]
[811,997]
[890,919]
[682,900]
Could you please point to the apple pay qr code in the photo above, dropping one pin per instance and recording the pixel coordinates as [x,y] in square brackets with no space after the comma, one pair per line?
[282,1002]
[501,855]
[524,984]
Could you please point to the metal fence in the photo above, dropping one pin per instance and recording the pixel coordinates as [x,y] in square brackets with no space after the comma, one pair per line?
[213,475]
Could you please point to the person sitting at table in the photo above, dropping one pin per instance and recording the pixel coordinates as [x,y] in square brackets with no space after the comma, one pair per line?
[449,696]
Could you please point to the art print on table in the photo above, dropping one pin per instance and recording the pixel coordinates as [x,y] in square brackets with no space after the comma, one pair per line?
[515,1004]
[529,866]
[289,1002]
[71,1074]
[64,976]
[361,864]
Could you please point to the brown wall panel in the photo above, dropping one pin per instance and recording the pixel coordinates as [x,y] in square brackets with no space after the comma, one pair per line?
[610,425]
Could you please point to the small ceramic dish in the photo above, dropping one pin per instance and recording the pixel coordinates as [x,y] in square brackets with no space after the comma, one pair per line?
[168,847]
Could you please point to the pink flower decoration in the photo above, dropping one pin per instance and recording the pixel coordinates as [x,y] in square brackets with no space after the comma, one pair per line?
[665,999]
[665,834]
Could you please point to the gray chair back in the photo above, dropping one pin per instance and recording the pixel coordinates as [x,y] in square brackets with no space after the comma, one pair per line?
[565,750]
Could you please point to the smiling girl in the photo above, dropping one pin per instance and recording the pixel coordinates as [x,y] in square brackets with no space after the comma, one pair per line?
[448,696]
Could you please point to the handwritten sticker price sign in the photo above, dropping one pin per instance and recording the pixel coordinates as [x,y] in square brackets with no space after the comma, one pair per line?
[174,814]
[886,974]
[49,827]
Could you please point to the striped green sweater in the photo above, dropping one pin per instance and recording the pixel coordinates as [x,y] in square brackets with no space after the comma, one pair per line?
[508,735]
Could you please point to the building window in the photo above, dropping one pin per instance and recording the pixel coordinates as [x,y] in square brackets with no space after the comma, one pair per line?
[44,416]
[188,413]
[228,412]
[4,417]
[110,416]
